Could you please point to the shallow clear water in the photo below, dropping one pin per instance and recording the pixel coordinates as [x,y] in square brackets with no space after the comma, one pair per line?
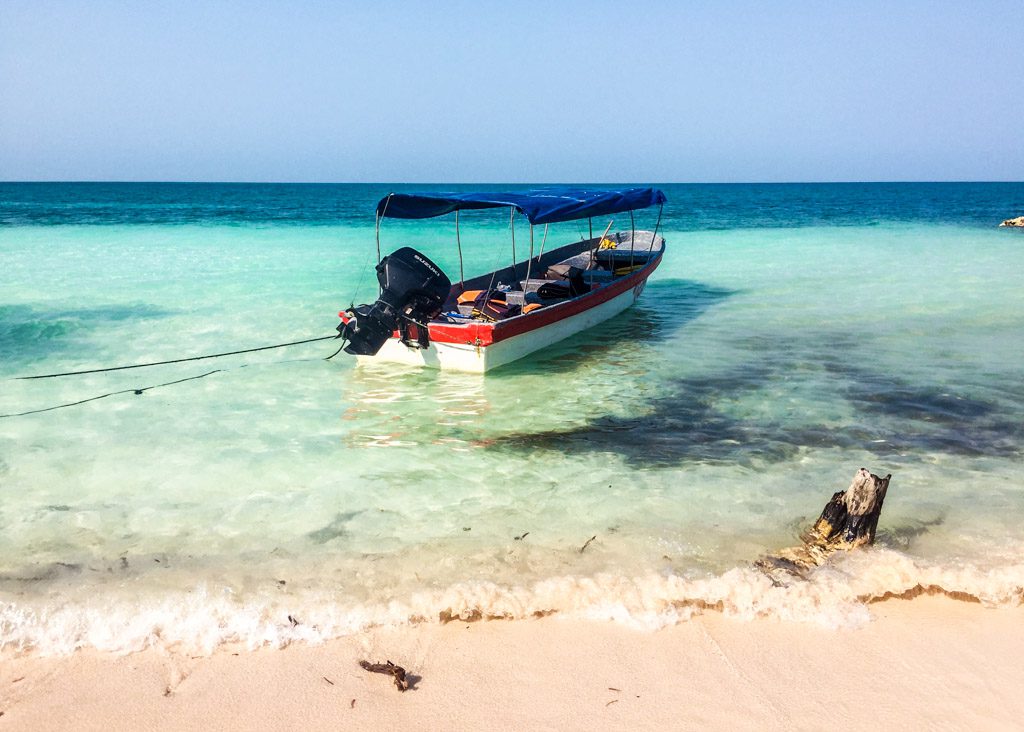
[792,335]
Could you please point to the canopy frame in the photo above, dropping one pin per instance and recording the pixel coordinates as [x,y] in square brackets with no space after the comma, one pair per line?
[540,206]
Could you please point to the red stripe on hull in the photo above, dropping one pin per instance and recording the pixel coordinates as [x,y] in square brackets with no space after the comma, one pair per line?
[484,334]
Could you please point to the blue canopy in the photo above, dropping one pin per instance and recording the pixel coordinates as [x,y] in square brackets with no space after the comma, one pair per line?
[543,206]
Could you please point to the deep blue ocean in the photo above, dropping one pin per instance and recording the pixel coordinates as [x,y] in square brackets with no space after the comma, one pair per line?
[793,334]
[691,207]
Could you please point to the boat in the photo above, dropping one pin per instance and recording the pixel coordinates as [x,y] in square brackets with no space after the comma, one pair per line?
[422,318]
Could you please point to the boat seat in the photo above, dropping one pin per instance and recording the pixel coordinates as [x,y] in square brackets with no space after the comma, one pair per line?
[531,285]
[624,249]
[580,261]
[598,276]
[515,297]
[619,257]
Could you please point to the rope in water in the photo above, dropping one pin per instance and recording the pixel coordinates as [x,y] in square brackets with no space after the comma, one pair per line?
[104,396]
[175,360]
[140,390]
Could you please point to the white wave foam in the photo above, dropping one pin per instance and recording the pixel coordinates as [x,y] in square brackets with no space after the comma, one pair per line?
[200,621]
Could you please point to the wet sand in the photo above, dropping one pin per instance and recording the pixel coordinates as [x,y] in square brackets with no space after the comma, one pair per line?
[923,663]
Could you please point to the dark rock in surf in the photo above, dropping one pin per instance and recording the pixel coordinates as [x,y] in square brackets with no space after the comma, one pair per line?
[849,520]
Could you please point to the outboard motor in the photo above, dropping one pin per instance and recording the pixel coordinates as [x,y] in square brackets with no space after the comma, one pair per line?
[413,291]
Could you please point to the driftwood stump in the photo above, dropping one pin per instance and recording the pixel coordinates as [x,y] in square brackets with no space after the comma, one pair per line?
[848,521]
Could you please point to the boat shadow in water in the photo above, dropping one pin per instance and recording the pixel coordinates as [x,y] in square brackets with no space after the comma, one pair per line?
[664,307]
[391,405]
[694,419]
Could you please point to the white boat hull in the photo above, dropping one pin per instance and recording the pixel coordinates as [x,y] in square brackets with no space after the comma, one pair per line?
[479,359]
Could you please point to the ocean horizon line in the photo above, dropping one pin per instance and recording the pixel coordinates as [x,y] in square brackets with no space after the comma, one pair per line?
[509,183]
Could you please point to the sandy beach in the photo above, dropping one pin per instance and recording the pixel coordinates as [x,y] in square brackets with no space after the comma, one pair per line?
[926,663]
[560,357]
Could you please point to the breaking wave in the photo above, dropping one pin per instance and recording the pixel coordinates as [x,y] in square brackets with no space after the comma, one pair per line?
[202,620]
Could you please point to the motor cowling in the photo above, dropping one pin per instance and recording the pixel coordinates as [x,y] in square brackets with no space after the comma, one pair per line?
[413,291]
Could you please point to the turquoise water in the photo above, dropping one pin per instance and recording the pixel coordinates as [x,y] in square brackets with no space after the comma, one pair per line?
[792,335]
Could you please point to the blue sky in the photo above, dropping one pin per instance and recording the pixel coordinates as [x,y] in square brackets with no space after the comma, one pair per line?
[511,92]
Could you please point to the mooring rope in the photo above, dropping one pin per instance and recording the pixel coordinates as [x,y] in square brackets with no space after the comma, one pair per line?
[344,342]
[175,360]
[140,390]
[104,396]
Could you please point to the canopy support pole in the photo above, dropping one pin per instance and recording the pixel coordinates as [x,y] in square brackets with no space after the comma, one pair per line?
[655,234]
[632,239]
[542,243]
[529,263]
[376,233]
[593,251]
[512,225]
[376,226]
[590,228]
[458,245]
